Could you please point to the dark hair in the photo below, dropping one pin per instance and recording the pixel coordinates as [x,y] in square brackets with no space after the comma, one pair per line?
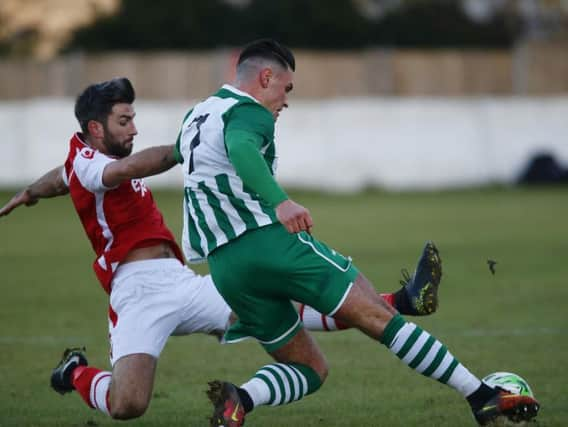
[268,49]
[97,100]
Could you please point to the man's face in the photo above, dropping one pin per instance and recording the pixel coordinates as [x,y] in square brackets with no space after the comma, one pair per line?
[120,130]
[280,84]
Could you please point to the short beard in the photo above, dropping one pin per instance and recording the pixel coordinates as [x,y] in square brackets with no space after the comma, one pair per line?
[114,149]
[117,150]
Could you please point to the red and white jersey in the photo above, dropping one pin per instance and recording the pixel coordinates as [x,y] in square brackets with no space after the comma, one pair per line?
[116,220]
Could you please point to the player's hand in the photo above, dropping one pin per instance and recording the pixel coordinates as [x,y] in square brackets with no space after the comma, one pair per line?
[294,217]
[21,198]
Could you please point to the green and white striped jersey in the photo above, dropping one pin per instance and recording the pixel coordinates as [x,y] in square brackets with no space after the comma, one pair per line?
[218,207]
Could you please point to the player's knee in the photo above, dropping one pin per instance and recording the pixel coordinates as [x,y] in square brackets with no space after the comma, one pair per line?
[321,368]
[324,371]
[126,409]
[370,317]
[375,323]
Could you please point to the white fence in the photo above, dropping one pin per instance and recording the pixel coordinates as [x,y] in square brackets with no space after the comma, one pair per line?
[343,144]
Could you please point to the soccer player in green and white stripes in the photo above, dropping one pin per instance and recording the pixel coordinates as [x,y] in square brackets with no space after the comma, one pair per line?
[262,255]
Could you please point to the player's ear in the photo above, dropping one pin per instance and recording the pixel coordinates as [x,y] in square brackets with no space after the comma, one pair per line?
[265,76]
[96,129]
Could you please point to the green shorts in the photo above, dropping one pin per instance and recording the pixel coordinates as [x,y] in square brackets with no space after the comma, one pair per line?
[263,270]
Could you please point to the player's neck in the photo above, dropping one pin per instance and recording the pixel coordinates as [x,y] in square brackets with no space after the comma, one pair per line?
[250,89]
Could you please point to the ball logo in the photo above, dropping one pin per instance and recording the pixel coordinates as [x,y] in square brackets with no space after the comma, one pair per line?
[510,382]
[139,186]
[87,153]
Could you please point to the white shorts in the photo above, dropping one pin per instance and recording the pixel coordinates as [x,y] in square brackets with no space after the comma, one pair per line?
[153,299]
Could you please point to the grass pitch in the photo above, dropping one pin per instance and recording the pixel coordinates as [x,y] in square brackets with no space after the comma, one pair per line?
[515,320]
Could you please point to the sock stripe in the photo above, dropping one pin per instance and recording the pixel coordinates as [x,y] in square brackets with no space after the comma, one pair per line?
[444,378]
[324,322]
[277,383]
[289,386]
[423,352]
[295,382]
[392,329]
[99,391]
[303,382]
[92,389]
[416,347]
[436,362]
[400,338]
[409,342]
[429,356]
[445,364]
[301,311]
[284,383]
[265,377]
[295,393]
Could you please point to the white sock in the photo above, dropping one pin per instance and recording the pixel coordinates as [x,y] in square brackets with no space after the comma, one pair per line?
[100,386]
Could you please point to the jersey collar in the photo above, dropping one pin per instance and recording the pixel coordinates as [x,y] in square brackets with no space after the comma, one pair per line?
[239,92]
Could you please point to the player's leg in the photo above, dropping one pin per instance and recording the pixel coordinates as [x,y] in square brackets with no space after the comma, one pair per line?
[307,313]
[147,301]
[205,310]
[300,370]
[258,275]
[215,315]
[360,306]
[74,373]
[131,386]
[418,295]
[123,393]
[425,354]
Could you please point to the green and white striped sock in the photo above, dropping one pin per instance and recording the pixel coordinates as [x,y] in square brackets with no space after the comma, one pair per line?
[279,384]
[425,354]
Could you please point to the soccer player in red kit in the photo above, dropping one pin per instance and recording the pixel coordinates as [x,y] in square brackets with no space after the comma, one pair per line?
[152,294]
[138,263]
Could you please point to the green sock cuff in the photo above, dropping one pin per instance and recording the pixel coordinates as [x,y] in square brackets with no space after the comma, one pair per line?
[314,380]
[392,328]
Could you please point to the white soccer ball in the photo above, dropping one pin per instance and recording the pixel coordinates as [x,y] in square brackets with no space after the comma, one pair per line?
[510,382]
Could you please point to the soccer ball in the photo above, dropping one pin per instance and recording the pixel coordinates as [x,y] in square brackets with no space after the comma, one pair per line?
[510,382]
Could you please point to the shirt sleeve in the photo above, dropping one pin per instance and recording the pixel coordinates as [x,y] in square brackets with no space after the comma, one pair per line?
[249,128]
[177,153]
[64,176]
[89,166]
[177,150]
[254,118]
[244,154]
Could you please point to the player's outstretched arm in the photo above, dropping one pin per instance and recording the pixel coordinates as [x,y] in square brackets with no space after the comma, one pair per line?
[49,185]
[148,162]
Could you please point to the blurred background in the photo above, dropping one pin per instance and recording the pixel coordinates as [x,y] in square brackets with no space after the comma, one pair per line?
[391,94]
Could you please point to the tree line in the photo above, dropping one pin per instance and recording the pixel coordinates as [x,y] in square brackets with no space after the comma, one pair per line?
[310,24]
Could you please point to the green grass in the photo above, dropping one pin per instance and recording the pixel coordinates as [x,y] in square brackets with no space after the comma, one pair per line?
[516,320]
